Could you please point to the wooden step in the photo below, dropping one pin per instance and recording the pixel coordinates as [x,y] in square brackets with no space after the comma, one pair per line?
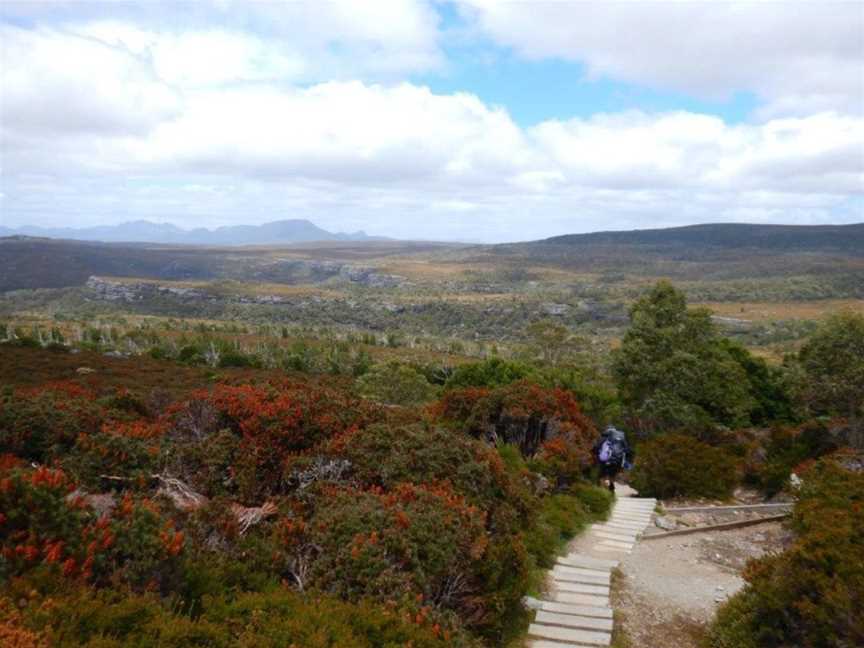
[573,621]
[586,562]
[608,535]
[581,599]
[543,643]
[580,588]
[556,633]
[579,610]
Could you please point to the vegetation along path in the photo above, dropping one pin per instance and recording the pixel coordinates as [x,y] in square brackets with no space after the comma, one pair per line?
[576,611]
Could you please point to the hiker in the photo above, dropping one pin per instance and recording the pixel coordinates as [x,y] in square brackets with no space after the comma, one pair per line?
[612,453]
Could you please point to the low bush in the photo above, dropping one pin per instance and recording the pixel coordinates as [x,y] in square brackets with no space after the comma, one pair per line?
[395,384]
[414,543]
[786,449]
[490,373]
[559,519]
[674,465]
[811,594]
[276,617]
[384,455]
[41,424]
[522,414]
[46,527]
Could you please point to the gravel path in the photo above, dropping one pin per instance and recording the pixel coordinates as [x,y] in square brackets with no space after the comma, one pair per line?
[670,589]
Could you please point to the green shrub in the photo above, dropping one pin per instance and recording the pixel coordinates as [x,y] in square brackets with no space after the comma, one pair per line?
[811,594]
[43,424]
[277,617]
[414,543]
[559,519]
[383,455]
[493,372]
[396,384]
[786,449]
[594,499]
[674,465]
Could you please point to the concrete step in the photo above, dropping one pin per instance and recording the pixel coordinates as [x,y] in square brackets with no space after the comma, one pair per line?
[579,610]
[586,562]
[556,633]
[581,599]
[573,621]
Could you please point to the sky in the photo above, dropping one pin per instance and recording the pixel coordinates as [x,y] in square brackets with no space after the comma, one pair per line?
[470,120]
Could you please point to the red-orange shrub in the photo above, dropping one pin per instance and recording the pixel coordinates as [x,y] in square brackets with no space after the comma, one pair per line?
[523,414]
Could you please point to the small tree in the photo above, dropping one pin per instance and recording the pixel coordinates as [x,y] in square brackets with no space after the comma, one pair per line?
[552,341]
[833,362]
[673,371]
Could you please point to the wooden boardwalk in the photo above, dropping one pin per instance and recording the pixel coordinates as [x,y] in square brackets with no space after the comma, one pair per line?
[576,612]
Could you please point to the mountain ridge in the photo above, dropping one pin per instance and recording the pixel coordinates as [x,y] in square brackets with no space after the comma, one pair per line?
[144,231]
[727,235]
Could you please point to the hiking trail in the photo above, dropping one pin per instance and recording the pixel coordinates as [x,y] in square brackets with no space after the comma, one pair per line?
[576,611]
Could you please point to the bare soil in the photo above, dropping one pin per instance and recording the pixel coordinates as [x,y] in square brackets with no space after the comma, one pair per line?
[668,590]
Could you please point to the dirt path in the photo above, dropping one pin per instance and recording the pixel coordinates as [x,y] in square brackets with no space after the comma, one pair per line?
[670,588]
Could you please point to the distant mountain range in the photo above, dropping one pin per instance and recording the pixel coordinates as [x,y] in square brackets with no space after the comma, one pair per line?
[143,231]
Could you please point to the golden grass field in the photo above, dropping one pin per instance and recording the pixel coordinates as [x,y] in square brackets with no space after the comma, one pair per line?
[772,312]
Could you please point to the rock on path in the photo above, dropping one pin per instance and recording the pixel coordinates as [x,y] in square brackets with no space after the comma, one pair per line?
[577,612]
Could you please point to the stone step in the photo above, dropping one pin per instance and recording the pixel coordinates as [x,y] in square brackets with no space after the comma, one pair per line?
[579,610]
[589,637]
[586,562]
[580,588]
[581,599]
[573,621]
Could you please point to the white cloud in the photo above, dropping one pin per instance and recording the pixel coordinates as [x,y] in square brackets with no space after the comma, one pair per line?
[52,83]
[106,120]
[285,40]
[800,56]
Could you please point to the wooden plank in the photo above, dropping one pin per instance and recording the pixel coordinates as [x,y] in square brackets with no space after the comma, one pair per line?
[581,610]
[590,637]
[573,621]
[728,526]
